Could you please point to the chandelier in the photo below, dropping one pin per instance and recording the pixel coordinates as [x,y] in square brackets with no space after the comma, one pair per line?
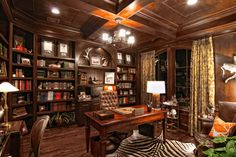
[119,37]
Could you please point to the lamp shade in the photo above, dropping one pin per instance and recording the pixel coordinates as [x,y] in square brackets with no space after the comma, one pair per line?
[6,87]
[156,87]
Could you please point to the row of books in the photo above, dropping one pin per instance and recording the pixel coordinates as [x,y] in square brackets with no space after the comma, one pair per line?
[3,50]
[18,98]
[53,64]
[126,70]
[55,85]
[126,100]
[126,77]
[62,106]
[51,96]
[126,92]
[23,84]
[55,74]
[124,85]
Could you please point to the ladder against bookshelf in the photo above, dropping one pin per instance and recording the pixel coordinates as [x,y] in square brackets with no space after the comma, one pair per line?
[21,69]
[126,79]
[55,76]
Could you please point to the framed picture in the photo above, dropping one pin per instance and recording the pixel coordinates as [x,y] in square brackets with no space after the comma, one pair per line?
[120,58]
[63,50]
[95,61]
[47,48]
[128,59]
[109,78]
[19,41]
[25,61]
[3,69]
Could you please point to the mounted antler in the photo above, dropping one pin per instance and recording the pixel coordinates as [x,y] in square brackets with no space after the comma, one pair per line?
[231,68]
[87,50]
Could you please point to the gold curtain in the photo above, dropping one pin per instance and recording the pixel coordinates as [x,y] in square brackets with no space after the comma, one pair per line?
[147,74]
[202,80]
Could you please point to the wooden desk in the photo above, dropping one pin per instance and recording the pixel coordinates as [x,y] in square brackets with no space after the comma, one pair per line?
[121,123]
[11,145]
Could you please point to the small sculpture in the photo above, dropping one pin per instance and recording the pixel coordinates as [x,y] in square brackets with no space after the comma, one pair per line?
[231,68]
[105,62]
[87,50]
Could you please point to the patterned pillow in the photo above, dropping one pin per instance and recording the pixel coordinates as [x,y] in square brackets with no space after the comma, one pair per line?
[221,128]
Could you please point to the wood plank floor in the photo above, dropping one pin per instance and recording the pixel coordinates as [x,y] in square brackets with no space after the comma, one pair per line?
[70,142]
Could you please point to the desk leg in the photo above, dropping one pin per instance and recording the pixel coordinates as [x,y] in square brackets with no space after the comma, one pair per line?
[164,127]
[103,144]
[87,135]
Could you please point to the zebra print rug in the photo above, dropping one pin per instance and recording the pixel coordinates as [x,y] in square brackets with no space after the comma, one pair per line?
[142,146]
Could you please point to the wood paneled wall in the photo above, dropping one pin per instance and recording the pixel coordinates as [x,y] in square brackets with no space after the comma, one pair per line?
[224,47]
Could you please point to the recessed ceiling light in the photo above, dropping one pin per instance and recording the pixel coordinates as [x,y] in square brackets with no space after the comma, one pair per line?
[191,2]
[55,11]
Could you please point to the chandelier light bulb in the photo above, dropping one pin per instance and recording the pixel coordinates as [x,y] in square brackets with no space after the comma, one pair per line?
[122,33]
[191,2]
[127,33]
[55,11]
[105,36]
[131,40]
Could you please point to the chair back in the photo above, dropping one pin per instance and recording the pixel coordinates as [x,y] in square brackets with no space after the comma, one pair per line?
[227,110]
[37,135]
[108,100]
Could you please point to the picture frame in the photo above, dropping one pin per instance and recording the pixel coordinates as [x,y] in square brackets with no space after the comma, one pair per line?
[109,78]
[95,61]
[25,61]
[3,69]
[47,48]
[120,58]
[63,50]
[41,73]
[19,41]
[128,59]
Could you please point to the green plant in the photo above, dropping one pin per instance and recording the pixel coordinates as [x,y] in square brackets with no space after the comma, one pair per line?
[61,119]
[223,147]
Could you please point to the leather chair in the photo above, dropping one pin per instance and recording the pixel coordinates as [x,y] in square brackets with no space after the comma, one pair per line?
[37,135]
[108,100]
[227,112]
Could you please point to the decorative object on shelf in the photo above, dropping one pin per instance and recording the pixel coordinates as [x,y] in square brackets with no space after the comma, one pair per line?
[82,78]
[19,43]
[95,61]
[173,113]
[63,50]
[87,51]
[5,88]
[120,37]
[54,74]
[41,63]
[25,61]
[47,48]
[128,59]
[109,78]
[231,68]
[105,62]
[156,88]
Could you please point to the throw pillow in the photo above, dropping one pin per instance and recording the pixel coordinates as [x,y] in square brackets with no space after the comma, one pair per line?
[221,128]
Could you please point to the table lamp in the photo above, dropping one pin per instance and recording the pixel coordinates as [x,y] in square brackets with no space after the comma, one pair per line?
[156,88]
[5,88]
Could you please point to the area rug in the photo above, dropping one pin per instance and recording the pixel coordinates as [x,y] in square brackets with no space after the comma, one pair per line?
[143,146]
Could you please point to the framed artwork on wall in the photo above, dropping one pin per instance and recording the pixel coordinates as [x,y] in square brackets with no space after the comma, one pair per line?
[128,59]
[120,58]
[63,50]
[109,78]
[95,61]
[47,48]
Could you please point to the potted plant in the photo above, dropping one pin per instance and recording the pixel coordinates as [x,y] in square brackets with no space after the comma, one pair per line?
[61,119]
[223,147]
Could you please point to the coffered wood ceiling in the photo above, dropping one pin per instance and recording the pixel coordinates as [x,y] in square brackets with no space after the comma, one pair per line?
[148,20]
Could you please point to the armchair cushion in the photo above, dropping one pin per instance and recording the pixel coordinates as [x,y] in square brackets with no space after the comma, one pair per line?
[221,128]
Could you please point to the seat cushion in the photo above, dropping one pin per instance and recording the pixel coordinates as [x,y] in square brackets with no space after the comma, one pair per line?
[221,128]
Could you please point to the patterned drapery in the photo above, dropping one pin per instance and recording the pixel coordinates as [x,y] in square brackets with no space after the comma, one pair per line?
[202,80]
[147,74]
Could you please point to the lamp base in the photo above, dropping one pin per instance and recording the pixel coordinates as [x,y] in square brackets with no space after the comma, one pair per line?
[6,125]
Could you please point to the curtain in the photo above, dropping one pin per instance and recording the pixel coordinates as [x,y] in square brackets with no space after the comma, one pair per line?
[202,81]
[147,74]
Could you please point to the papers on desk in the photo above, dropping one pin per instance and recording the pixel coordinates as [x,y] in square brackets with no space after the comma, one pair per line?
[129,111]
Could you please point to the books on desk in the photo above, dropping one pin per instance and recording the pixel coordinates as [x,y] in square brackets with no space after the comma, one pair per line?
[129,111]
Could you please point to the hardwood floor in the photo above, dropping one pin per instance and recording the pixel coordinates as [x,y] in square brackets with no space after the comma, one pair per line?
[70,142]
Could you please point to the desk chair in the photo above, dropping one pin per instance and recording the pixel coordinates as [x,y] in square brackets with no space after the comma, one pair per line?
[37,135]
[108,100]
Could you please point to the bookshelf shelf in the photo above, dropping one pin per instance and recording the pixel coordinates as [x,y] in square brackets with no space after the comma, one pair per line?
[3,78]
[22,78]
[54,101]
[55,69]
[55,79]
[126,80]
[21,105]
[22,65]
[22,52]
[56,58]
[126,65]
[24,91]
[96,67]
[55,90]
[50,112]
